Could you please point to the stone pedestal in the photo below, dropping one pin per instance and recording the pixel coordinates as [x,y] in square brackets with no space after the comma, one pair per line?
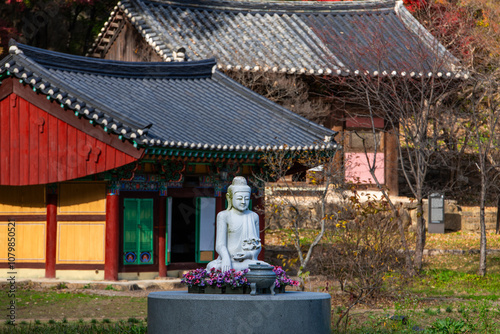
[291,312]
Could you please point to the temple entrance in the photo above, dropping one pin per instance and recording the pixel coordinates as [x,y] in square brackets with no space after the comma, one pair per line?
[183,230]
[190,229]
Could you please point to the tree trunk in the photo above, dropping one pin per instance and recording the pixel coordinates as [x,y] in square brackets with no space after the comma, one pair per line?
[482,223]
[420,236]
[410,269]
[497,229]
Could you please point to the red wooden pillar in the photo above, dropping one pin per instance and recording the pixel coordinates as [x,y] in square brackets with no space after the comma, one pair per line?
[51,236]
[162,241]
[260,209]
[219,204]
[112,256]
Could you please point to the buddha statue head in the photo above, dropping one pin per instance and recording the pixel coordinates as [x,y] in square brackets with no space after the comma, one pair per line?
[238,194]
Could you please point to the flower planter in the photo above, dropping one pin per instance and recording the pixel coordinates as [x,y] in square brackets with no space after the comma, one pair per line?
[242,290]
[194,278]
[281,289]
[214,290]
[196,289]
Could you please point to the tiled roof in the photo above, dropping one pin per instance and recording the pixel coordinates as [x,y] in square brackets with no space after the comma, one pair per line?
[334,38]
[184,105]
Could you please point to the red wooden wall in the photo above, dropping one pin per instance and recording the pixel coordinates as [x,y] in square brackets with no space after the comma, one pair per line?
[37,147]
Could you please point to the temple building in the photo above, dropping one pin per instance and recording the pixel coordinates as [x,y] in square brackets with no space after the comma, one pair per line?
[321,40]
[116,170]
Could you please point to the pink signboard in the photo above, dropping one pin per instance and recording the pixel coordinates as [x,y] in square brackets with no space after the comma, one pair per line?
[358,171]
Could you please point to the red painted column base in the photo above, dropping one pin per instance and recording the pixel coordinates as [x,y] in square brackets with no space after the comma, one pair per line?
[112,256]
[51,237]
[162,242]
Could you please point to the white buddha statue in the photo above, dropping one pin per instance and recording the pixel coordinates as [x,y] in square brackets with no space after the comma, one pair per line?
[237,241]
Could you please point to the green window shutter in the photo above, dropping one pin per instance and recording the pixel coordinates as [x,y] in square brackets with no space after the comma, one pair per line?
[138,231]
[146,231]
[130,232]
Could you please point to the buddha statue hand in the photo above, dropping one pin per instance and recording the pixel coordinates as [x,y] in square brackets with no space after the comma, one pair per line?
[251,244]
[225,265]
[241,256]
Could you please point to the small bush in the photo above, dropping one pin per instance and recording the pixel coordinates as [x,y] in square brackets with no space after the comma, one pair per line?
[449,325]
[430,311]
[61,286]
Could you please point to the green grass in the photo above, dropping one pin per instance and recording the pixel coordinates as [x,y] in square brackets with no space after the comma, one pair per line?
[74,328]
[452,283]
[446,297]
[454,240]
[59,304]
[133,320]
[476,317]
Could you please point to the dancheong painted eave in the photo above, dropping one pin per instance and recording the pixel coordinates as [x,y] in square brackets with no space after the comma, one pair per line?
[294,37]
[186,105]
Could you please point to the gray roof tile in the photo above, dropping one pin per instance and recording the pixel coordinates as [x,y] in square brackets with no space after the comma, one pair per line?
[337,38]
[185,104]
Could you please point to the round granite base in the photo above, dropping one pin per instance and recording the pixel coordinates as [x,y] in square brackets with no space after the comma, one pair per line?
[291,312]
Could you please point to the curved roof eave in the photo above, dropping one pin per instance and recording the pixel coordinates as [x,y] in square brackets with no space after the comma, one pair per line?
[34,73]
[326,62]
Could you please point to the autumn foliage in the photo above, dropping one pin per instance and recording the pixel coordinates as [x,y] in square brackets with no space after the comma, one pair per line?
[414,5]
[470,29]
